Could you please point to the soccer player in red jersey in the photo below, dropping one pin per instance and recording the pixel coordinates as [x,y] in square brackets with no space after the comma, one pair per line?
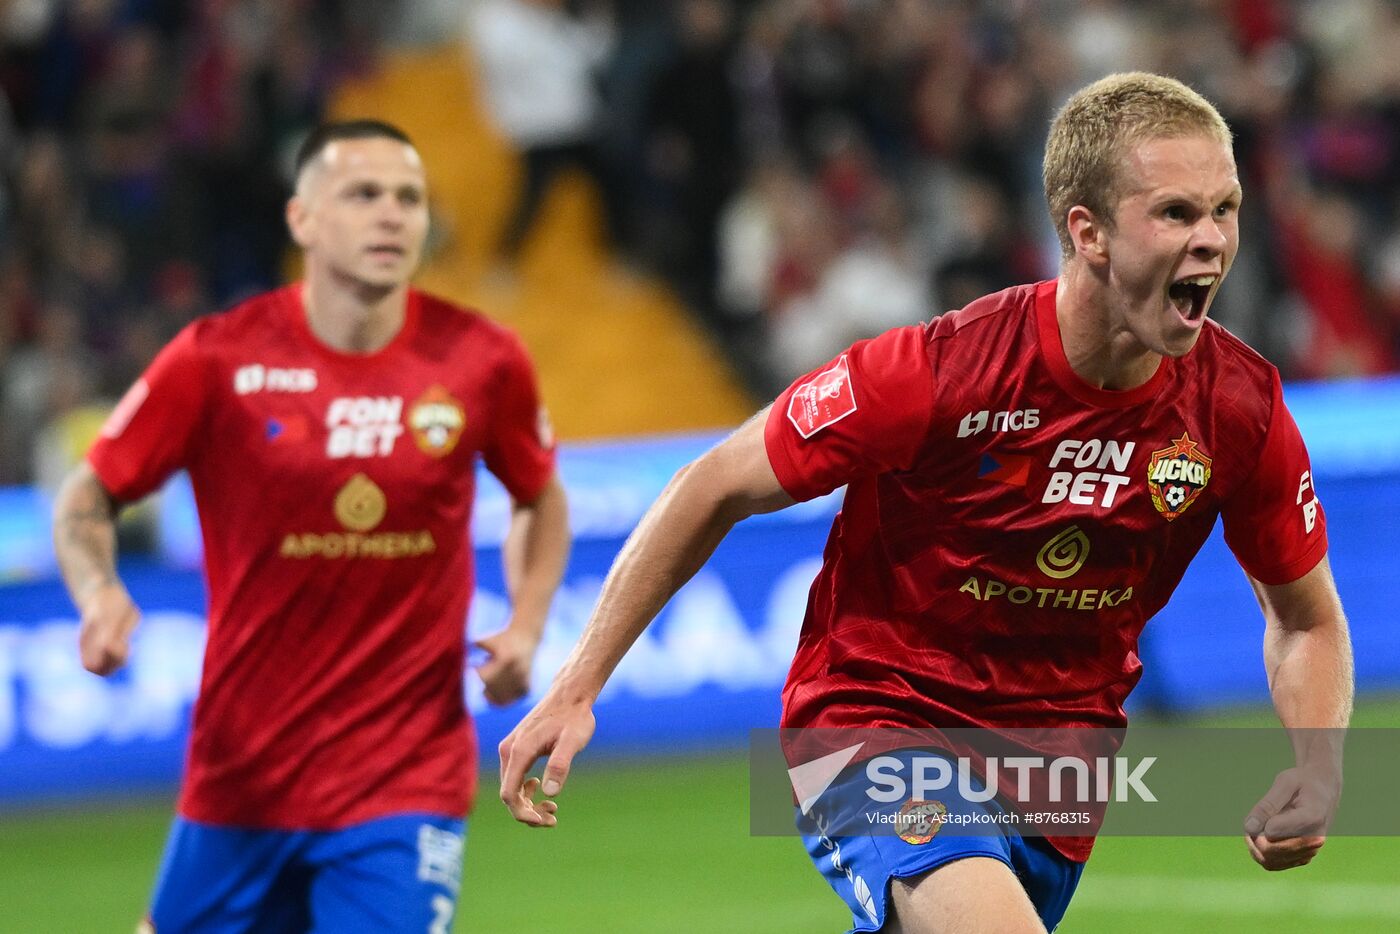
[1027,479]
[331,430]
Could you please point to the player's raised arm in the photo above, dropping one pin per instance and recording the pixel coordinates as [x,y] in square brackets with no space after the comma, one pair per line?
[1307,655]
[704,500]
[85,541]
[536,548]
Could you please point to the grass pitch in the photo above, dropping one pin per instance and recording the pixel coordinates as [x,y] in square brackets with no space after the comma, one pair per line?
[665,846]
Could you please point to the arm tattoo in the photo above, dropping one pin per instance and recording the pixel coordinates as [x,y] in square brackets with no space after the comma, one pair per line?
[85,535]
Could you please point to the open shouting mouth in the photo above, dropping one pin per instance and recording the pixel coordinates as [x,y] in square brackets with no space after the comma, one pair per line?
[1190,294]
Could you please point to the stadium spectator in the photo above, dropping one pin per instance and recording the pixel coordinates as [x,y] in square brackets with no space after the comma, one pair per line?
[541,67]
[331,430]
[988,252]
[44,378]
[46,209]
[692,128]
[914,620]
[879,281]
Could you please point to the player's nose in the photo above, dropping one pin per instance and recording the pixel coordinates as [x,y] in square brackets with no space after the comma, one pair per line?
[391,214]
[1208,238]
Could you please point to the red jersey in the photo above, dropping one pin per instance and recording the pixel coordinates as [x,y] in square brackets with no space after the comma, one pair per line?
[1008,529]
[335,493]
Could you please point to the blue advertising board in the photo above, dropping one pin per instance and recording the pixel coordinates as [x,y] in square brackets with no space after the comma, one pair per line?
[712,665]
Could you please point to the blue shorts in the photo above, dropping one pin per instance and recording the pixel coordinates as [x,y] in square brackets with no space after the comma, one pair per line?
[859,865]
[398,873]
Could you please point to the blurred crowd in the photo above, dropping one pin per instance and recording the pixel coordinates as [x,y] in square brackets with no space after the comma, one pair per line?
[143,145]
[816,171]
[806,172]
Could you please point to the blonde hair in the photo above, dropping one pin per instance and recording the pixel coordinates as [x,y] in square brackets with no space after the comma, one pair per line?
[1096,128]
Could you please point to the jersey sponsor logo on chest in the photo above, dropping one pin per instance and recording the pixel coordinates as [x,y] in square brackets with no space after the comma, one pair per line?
[1088,473]
[370,426]
[974,423]
[363,426]
[1096,472]
[1059,559]
[255,377]
[359,507]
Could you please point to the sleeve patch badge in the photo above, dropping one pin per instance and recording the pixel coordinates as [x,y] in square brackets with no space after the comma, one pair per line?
[544,428]
[823,400]
[126,409]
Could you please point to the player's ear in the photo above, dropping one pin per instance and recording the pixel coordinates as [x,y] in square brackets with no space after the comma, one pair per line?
[1086,235]
[299,221]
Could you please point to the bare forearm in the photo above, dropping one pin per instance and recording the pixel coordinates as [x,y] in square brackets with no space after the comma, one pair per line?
[676,536]
[535,552]
[1310,675]
[1307,654]
[85,535]
[674,539]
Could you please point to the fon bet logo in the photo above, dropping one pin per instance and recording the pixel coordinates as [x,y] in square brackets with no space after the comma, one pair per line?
[1177,475]
[363,426]
[1305,486]
[1088,473]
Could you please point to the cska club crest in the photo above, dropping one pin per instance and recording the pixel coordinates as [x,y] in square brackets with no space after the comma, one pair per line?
[1177,475]
[920,821]
[436,421]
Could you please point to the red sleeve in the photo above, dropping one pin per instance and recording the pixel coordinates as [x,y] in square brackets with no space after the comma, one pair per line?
[521,449]
[864,413]
[1275,524]
[148,435]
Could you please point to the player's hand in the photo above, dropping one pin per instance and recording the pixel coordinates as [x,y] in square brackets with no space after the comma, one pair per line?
[104,634]
[506,674]
[1288,826]
[557,728]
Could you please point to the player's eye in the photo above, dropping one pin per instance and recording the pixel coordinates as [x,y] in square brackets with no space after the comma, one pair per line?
[410,197]
[1175,212]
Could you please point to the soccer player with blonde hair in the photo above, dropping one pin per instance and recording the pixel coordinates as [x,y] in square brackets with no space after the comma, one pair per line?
[1027,479]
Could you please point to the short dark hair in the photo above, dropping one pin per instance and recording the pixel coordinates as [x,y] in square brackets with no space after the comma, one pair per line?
[327,133]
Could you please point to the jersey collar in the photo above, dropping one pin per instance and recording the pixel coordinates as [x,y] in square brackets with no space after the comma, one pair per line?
[1052,350]
[297,310]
